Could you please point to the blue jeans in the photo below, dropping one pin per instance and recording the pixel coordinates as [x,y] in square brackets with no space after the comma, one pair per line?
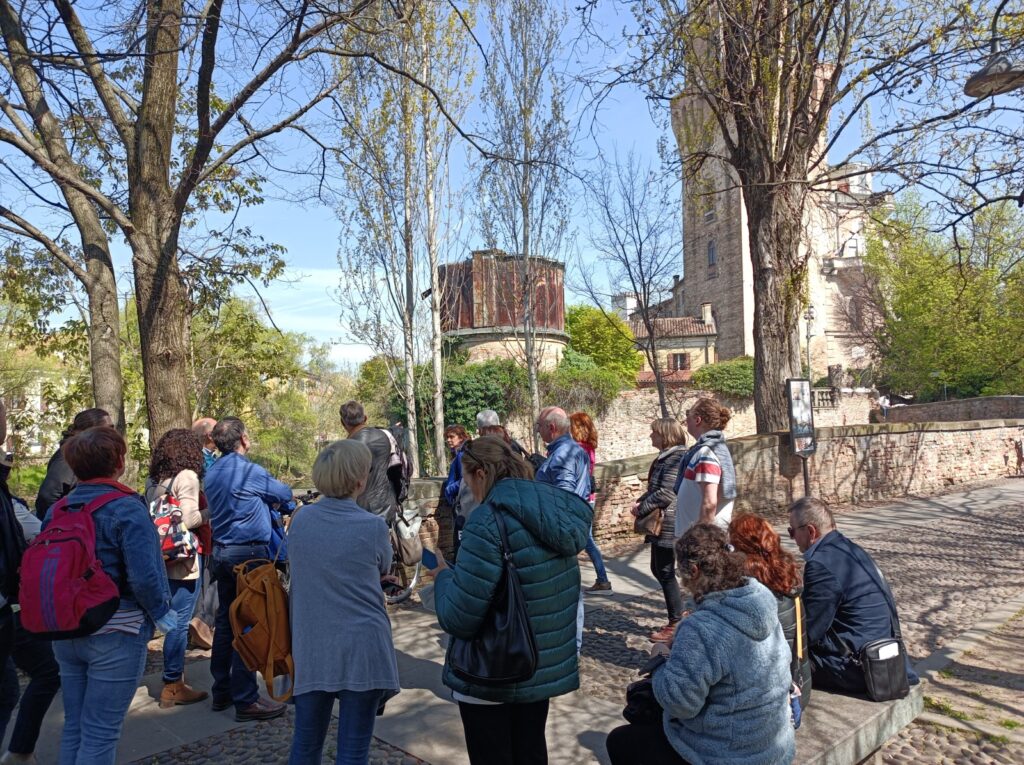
[231,680]
[184,594]
[35,658]
[357,712]
[99,675]
[595,557]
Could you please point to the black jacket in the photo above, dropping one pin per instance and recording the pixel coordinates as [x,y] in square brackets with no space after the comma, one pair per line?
[379,495]
[801,669]
[12,542]
[59,482]
[661,492]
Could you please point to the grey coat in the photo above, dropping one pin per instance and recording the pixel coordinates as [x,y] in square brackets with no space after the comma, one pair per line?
[661,492]
[341,634]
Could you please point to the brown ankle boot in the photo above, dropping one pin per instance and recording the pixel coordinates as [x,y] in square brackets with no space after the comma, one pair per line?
[179,693]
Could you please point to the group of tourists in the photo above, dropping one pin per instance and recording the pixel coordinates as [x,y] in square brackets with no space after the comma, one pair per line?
[739,653]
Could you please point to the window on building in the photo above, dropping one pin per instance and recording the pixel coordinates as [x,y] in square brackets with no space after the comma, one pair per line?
[680,362]
[710,216]
[712,253]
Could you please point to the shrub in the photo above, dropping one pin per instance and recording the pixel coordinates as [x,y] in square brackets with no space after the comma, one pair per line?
[499,384]
[734,377]
[578,384]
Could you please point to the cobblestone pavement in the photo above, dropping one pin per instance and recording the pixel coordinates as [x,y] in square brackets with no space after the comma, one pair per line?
[945,579]
[984,689]
[266,742]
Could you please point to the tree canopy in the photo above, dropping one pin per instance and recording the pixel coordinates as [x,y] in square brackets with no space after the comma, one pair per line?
[606,339]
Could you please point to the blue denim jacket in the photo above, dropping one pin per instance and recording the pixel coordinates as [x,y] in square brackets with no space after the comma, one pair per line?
[567,467]
[127,546]
[451,486]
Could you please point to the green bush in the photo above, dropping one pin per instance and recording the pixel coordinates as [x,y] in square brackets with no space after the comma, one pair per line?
[578,384]
[499,384]
[734,377]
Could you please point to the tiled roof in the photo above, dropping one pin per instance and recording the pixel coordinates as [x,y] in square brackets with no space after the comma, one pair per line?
[646,379]
[677,326]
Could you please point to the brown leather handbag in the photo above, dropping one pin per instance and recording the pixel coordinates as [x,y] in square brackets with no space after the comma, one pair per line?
[650,524]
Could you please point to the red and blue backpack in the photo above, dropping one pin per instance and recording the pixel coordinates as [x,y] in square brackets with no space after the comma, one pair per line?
[64,591]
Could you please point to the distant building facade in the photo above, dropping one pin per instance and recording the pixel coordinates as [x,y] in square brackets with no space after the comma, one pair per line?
[683,344]
[482,306]
[717,268]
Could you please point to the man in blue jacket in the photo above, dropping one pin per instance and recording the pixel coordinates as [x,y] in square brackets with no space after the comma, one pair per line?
[239,493]
[845,595]
[567,465]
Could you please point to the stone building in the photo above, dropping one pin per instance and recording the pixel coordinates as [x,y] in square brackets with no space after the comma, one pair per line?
[717,269]
[482,306]
[684,344]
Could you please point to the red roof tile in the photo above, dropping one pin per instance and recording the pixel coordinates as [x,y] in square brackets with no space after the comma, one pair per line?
[678,326]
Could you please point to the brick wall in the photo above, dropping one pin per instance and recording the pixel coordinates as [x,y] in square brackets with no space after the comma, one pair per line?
[961,410]
[853,463]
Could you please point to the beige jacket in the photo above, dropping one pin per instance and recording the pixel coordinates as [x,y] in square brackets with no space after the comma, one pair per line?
[186,489]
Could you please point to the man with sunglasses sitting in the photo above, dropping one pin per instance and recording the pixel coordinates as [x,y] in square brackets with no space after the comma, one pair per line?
[847,600]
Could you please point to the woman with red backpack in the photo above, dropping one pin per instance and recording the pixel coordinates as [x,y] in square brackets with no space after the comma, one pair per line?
[112,551]
[175,470]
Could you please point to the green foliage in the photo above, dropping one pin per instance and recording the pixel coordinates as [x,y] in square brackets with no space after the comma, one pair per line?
[499,384]
[284,432]
[376,387]
[734,377]
[948,314]
[579,384]
[26,479]
[606,339]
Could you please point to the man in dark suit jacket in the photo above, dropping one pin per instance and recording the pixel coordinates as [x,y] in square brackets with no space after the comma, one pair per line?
[843,595]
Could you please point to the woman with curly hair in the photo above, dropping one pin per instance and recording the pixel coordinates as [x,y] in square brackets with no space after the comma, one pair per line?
[724,687]
[176,468]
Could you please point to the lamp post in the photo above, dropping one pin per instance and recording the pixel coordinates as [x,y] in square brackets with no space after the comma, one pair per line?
[1000,74]
[809,315]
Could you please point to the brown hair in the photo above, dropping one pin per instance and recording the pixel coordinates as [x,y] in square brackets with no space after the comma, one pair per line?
[707,547]
[767,562]
[671,431]
[582,429]
[496,458]
[711,413]
[178,449]
[95,453]
[87,418]
[458,430]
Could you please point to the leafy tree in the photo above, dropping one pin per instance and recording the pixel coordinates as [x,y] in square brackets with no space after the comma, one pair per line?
[734,377]
[499,384]
[761,92]
[578,383]
[284,433]
[941,311]
[606,339]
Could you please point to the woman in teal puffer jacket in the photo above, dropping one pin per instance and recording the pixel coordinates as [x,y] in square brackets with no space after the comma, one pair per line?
[547,529]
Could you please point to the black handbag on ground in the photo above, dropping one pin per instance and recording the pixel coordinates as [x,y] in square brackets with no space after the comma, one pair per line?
[642,707]
[883,661]
[505,649]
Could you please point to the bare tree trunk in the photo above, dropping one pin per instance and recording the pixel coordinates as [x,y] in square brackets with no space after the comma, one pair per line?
[161,294]
[529,295]
[774,215]
[659,383]
[437,392]
[409,347]
[104,323]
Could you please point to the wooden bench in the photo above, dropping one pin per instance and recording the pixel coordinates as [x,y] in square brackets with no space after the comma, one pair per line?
[845,730]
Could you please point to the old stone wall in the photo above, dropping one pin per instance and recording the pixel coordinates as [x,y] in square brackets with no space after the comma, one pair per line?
[624,431]
[853,463]
[961,410]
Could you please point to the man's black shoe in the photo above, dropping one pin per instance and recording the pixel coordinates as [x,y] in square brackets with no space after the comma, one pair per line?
[219,705]
[261,709]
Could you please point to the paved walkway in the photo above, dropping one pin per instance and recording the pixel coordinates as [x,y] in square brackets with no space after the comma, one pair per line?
[955,561]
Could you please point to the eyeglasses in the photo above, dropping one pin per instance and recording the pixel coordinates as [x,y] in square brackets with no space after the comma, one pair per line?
[792,531]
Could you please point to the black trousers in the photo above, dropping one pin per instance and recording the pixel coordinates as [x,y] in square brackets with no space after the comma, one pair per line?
[35,658]
[663,566]
[641,745]
[505,734]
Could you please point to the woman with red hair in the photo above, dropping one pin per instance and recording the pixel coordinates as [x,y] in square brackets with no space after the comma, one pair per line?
[776,569]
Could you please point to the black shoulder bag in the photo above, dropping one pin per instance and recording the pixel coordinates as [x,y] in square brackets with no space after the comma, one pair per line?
[883,661]
[504,651]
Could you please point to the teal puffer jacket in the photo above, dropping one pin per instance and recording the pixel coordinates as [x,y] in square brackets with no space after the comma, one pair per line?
[547,529]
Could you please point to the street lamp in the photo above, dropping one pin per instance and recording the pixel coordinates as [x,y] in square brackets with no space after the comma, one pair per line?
[1000,74]
[809,315]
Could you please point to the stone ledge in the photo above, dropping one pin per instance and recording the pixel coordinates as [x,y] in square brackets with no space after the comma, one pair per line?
[846,730]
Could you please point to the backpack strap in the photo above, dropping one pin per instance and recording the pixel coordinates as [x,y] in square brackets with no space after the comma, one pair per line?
[61,505]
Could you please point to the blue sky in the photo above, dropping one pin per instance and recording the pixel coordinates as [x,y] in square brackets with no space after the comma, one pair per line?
[302,301]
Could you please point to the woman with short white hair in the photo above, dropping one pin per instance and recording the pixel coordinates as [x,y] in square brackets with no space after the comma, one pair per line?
[341,634]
